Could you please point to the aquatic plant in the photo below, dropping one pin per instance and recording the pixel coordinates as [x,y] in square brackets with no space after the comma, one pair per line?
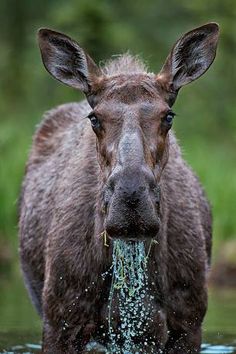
[130,301]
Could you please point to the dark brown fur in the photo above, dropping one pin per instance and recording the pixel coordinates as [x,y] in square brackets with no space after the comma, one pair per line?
[62,212]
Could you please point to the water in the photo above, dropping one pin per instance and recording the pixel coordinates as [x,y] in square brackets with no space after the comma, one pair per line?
[36,348]
[20,327]
[129,297]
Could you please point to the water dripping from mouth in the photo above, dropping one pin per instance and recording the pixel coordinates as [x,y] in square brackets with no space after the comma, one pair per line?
[130,302]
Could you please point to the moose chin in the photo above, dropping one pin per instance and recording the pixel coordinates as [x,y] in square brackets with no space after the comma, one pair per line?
[111,163]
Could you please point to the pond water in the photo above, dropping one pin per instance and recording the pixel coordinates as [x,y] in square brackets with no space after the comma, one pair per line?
[20,327]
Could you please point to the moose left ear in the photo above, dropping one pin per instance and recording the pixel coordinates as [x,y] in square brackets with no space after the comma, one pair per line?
[66,61]
[190,57]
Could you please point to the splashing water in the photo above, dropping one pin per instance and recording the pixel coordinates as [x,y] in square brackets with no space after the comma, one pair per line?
[130,303]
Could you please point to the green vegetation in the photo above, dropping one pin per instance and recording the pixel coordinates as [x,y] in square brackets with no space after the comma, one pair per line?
[205,122]
[215,167]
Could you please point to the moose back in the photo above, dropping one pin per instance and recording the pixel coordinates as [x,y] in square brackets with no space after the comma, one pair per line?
[112,164]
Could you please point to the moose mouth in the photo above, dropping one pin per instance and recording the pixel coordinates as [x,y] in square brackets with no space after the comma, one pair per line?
[142,227]
[132,234]
[136,222]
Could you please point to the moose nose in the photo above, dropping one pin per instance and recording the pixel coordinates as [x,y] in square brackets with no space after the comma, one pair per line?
[131,191]
[132,212]
[131,183]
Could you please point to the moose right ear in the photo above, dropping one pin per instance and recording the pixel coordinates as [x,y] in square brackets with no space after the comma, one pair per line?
[66,61]
[190,57]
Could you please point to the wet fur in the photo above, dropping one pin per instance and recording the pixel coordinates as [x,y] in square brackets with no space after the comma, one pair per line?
[62,255]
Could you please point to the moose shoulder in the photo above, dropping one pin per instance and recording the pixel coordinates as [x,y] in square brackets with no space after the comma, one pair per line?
[112,164]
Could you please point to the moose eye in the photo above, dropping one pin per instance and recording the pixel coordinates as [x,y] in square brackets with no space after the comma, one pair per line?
[169,118]
[94,120]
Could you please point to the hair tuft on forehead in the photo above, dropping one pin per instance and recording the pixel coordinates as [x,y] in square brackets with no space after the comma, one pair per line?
[124,64]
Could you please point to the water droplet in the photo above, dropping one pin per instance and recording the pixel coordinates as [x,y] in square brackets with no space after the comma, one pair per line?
[129,296]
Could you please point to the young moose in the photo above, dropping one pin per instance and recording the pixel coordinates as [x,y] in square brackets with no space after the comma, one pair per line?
[114,164]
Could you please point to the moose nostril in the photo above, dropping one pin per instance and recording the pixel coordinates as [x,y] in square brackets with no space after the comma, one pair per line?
[111,184]
[142,188]
[108,192]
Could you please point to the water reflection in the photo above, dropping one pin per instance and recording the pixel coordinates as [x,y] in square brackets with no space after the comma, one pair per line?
[217,349]
[35,348]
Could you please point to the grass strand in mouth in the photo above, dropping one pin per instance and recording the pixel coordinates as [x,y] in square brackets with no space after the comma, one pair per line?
[130,301]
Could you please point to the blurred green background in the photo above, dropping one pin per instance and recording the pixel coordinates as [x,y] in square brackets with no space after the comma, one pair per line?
[206,110]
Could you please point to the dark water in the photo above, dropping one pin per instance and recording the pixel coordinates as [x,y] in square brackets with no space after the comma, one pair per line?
[20,327]
[214,343]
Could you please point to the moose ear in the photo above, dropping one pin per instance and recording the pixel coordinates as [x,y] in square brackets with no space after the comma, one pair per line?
[190,57]
[66,61]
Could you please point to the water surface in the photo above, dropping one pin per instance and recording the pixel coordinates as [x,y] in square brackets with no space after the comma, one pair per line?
[20,327]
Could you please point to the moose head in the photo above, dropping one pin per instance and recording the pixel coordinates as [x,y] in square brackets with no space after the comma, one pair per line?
[131,115]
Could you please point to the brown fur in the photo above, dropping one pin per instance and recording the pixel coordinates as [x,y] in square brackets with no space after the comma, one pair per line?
[62,214]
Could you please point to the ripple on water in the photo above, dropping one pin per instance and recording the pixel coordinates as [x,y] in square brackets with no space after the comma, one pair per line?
[217,349]
[95,348]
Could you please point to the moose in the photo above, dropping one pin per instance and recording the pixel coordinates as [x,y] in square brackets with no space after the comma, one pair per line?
[112,164]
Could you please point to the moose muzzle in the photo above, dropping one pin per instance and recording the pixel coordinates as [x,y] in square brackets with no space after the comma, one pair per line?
[132,204]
